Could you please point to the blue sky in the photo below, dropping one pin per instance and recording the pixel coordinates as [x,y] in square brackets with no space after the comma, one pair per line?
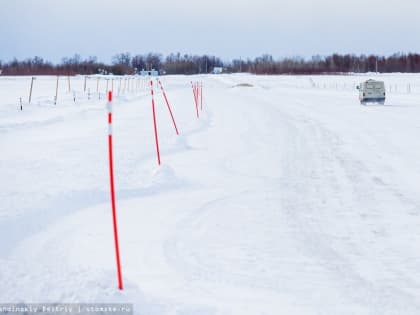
[54,29]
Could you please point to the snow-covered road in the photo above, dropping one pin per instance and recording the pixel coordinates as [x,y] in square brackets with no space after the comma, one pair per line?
[285,197]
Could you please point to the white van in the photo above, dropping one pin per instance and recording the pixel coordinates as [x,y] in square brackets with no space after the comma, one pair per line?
[371,91]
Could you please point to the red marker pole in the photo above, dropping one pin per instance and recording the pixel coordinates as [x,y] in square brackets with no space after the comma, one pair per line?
[169,107]
[197,88]
[201,95]
[195,99]
[196,94]
[111,176]
[154,122]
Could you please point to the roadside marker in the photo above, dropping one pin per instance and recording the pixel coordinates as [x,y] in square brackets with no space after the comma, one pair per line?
[195,99]
[111,177]
[201,95]
[197,90]
[169,107]
[30,91]
[154,121]
[56,92]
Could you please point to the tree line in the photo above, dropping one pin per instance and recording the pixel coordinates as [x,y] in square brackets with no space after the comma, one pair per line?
[176,63]
[336,63]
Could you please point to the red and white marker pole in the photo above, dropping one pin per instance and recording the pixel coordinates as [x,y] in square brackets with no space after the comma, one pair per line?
[195,99]
[111,176]
[197,93]
[154,121]
[201,95]
[169,107]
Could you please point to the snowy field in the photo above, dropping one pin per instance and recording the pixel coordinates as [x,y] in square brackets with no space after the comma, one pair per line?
[286,197]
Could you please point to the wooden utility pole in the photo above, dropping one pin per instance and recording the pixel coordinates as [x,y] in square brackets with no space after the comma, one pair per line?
[56,92]
[30,91]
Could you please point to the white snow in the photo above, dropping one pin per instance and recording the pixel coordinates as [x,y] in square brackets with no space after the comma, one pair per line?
[285,197]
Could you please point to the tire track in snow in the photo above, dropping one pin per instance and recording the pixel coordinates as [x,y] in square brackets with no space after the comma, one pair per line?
[330,180]
[317,196]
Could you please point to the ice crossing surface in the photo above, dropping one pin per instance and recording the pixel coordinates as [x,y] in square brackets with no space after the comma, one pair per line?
[285,197]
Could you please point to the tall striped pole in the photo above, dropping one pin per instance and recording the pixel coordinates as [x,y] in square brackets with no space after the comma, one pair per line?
[154,121]
[201,95]
[197,91]
[195,99]
[169,107]
[111,177]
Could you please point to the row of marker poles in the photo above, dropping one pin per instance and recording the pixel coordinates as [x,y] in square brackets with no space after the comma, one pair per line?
[154,114]
[197,92]
[392,88]
[56,91]
[31,89]
[121,84]
[198,98]
[197,88]
[126,84]
[112,190]
[111,166]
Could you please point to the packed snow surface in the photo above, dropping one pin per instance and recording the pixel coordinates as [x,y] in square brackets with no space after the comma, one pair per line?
[286,196]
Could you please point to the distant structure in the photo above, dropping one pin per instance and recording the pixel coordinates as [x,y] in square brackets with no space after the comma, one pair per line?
[152,73]
[217,70]
[1,71]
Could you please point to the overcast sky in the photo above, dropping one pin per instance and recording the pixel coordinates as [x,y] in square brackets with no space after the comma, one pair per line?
[54,29]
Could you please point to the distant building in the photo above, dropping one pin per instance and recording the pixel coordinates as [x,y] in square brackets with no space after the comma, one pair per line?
[217,70]
[152,73]
[1,71]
